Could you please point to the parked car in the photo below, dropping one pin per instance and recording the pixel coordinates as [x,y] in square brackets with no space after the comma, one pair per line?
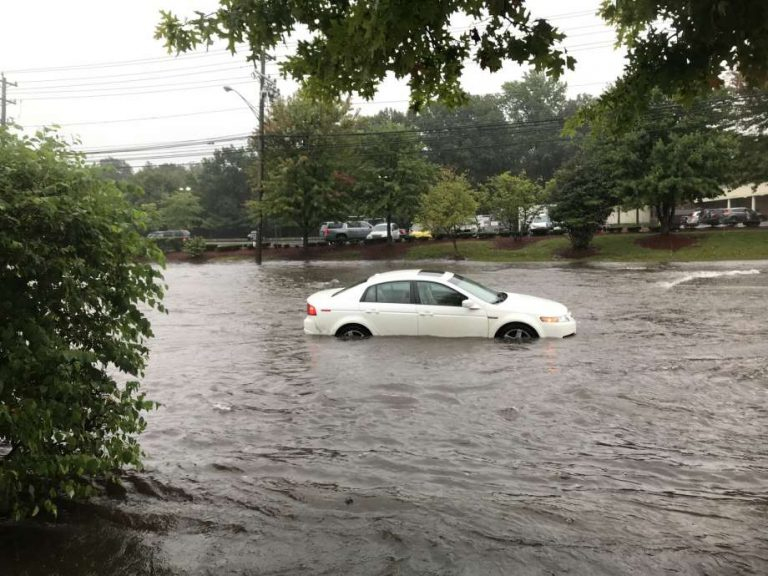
[426,303]
[418,232]
[541,224]
[691,220]
[468,228]
[711,216]
[341,232]
[379,232]
[184,235]
[746,216]
[730,217]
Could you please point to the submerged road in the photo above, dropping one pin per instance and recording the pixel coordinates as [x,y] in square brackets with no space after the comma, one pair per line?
[637,447]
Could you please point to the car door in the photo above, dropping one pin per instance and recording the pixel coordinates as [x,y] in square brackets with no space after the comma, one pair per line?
[389,309]
[440,312]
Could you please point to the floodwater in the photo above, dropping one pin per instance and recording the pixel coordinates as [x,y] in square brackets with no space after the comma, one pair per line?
[638,447]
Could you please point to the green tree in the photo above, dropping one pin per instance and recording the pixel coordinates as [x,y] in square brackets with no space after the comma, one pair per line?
[514,200]
[683,48]
[390,171]
[304,183]
[448,204]
[159,182]
[75,275]
[473,139]
[352,46]
[674,156]
[536,108]
[115,169]
[585,190]
[181,210]
[224,188]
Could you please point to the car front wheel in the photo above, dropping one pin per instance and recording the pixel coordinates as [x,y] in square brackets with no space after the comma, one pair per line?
[517,333]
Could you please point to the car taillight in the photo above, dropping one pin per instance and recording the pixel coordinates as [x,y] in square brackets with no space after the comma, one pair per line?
[311,310]
[325,232]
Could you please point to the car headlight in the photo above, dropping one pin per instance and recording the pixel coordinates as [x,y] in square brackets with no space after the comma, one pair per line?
[555,319]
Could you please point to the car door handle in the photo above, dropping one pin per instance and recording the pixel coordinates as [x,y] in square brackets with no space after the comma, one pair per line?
[371,311]
[426,314]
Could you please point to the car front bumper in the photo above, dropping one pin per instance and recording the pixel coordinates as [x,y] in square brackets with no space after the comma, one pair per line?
[558,329]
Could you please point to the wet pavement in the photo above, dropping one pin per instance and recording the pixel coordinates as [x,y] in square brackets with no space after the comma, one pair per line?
[637,447]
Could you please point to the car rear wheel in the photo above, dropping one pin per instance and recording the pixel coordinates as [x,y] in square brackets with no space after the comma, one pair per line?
[516,332]
[353,332]
[340,239]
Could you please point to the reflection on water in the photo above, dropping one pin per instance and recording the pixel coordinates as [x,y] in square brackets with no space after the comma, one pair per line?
[637,447]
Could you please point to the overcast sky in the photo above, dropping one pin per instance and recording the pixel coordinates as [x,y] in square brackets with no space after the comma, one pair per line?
[94,68]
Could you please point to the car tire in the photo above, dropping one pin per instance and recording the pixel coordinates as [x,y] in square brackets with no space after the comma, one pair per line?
[353,332]
[340,240]
[516,332]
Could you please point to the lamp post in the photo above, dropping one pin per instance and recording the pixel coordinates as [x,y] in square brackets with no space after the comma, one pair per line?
[260,174]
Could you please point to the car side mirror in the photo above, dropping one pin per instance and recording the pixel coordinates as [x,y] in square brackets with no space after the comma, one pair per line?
[470,304]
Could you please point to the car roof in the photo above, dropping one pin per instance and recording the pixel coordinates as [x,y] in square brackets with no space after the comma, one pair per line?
[411,274]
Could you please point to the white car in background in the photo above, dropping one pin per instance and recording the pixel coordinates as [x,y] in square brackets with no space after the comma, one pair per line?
[427,303]
[380,231]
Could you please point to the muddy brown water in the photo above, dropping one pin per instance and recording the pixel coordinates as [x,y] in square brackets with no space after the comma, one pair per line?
[638,447]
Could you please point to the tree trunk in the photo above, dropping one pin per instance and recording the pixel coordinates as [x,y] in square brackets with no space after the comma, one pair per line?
[389,228]
[455,247]
[666,213]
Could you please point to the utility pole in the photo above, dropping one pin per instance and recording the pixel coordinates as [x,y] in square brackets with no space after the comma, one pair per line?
[3,98]
[260,174]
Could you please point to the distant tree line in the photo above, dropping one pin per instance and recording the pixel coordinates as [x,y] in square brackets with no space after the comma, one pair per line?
[514,151]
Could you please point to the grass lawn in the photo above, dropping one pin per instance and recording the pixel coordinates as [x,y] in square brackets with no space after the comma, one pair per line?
[719,244]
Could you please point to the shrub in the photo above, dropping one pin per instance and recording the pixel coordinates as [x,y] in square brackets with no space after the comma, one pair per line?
[196,247]
[75,273]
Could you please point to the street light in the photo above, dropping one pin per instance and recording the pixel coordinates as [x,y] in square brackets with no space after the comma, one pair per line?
[260,176]
[244,99]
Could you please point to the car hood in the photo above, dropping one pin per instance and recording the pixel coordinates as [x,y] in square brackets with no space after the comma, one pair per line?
[531,305]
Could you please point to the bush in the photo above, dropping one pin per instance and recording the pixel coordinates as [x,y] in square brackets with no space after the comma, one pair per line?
[75,273]
[196,247]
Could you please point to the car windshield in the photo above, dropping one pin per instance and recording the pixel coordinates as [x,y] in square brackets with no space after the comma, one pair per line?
[477,290]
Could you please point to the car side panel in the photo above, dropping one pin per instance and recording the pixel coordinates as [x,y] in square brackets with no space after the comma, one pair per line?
[452,321]
[390,319]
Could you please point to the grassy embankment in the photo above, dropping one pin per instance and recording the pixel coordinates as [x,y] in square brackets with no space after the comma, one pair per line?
[704,245]
[739,244]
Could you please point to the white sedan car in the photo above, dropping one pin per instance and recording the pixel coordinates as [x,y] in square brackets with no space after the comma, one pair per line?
[380,231]
[427,303]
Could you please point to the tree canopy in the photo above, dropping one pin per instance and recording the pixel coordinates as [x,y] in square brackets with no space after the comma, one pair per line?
[354,45]
[304,183]
[684,49]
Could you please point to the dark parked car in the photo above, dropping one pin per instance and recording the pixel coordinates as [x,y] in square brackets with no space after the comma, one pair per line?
[730,217]
[746,216]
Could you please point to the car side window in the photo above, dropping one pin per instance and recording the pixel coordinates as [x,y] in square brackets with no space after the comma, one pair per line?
[389,293]
[369,295]
[433,294]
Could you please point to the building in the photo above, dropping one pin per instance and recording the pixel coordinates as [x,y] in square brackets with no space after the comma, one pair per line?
[747,196]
